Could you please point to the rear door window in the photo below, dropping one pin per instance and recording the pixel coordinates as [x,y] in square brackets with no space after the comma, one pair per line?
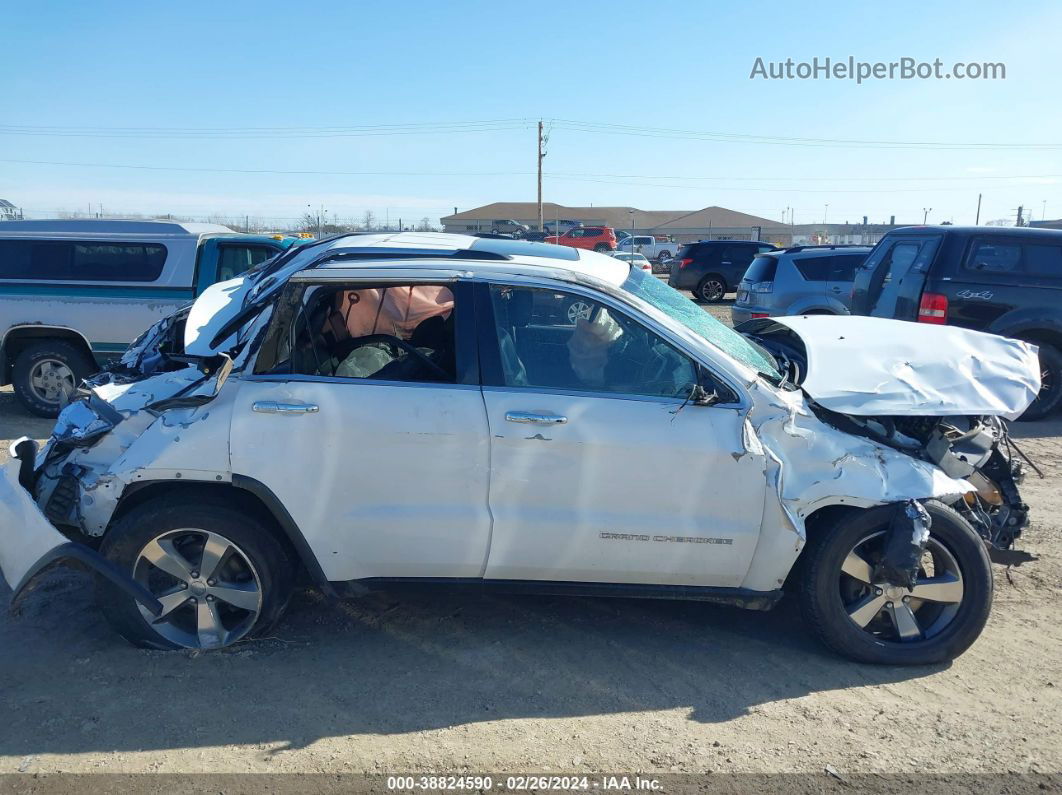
[1043,261]
[843,268]
[814,269]
[997,259]
[74,260]
[994,256]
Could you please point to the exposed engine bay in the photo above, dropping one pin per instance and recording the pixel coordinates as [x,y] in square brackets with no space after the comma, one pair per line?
[974,448]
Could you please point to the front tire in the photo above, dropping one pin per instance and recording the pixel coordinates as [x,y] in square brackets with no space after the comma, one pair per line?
[45,372]
[601,248]
[1051,384]
[220,574]
[855,615]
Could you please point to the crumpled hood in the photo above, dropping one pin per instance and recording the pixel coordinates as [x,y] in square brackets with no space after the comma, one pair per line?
[869,366]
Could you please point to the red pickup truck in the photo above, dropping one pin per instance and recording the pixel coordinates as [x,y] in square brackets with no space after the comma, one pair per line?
[597,238]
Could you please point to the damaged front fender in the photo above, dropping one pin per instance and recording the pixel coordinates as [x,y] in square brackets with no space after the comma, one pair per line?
[30,545]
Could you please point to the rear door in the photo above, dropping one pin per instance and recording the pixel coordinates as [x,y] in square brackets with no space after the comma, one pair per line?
[370,429]
[842,273]
[997,274]
[891,280]
[735,261]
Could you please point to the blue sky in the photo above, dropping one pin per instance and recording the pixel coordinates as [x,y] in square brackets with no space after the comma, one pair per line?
[673,65]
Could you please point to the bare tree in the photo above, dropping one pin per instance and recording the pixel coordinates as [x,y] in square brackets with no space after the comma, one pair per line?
[1000,222]
[425,225]
[368,221]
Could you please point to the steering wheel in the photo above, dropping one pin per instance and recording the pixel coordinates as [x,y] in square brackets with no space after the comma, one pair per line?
[346,347]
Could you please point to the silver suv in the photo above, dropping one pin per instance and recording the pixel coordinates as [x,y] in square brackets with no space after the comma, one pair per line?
[803,280]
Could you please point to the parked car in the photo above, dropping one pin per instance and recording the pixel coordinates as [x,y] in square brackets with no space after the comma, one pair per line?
[803,280]
[596,238]
[1001,280]
[653,248]
[536,237]
[375,410]
[507,226]
[637,260]
[712,268]
[76,292]
[560,226]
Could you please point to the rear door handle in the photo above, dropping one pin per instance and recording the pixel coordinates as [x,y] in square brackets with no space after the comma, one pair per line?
[532,416]
[272,407]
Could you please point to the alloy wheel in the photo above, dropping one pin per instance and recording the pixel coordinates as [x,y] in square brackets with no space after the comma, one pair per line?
[712,290]
[210,592]
[894,613]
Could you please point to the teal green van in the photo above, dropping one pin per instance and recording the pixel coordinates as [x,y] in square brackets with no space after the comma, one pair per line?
[75,293]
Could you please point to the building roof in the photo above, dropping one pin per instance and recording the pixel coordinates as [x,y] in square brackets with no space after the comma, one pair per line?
[6,205]
[618,217]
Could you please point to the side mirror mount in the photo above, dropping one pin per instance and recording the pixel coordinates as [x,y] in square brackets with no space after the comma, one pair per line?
[703,397]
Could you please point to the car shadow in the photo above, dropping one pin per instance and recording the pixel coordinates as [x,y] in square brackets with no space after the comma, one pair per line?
[1039,429]
[398,662]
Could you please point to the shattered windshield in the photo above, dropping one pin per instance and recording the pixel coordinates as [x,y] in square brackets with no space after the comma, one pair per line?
[678,307]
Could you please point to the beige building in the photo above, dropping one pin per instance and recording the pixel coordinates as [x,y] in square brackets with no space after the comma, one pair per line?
[714,223]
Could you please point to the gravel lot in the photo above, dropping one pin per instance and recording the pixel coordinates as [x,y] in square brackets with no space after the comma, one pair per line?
[457,683]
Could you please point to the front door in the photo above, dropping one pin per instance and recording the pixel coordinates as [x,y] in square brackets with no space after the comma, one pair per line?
[599,472]
[357,420]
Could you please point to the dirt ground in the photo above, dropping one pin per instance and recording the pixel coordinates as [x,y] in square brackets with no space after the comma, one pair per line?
[455,683]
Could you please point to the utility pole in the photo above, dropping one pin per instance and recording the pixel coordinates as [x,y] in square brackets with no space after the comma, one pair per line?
[1021,208]
[925,214]
[977,220]
[540,154]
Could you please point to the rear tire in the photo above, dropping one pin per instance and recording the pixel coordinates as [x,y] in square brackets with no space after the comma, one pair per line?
[827,614]
[46,369]
[601,248]
[712,288]
[253,562]
[1051,391]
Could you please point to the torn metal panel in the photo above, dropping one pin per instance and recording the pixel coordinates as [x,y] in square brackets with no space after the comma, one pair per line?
[811,465]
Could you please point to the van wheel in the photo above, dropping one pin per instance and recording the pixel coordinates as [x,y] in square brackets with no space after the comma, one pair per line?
[859,615]
[47,372]
[1050,384]
[220,575]
[712,288]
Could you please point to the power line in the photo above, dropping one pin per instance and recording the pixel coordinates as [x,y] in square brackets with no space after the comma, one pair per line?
[273,171]
[607,178]
[492,125]
[707,135]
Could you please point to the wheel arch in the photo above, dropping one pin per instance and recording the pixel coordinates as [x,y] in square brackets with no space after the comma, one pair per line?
[243,493]
[822,520]
[18,337]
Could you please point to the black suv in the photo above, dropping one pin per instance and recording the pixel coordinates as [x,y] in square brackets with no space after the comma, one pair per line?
[1001,280]
[713,268]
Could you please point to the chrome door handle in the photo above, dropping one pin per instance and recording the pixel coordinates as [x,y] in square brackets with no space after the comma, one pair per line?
[531,416]
[272,407]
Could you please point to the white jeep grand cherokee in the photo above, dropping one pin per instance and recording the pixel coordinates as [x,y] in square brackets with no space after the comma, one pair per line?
[371,410]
